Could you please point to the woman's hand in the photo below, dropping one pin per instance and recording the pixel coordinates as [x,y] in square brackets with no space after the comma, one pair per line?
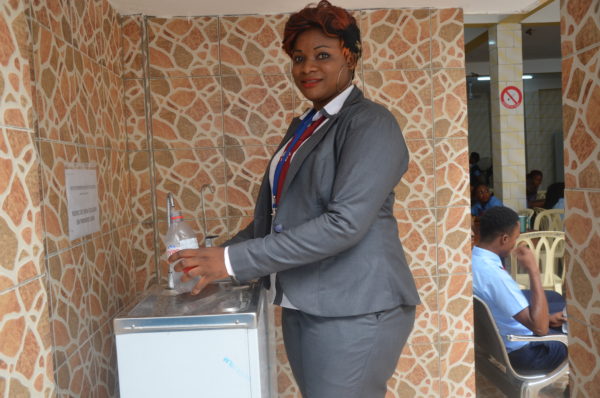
[208,263]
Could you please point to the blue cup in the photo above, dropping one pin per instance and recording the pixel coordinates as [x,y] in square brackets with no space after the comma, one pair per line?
[523,223]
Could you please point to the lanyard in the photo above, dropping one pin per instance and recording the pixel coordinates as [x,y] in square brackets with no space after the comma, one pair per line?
[302,133]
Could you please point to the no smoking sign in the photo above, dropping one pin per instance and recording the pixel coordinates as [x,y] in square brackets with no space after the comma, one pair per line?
[511,97]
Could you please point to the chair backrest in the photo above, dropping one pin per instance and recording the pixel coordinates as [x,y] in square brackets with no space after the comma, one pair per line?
[549,220]
[547,247]
[487,336]
[491,358]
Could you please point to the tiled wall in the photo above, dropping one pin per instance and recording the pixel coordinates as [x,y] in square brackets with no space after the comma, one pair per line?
[62,102]
[26,362]
[580,37]
[543,133]
[207,101]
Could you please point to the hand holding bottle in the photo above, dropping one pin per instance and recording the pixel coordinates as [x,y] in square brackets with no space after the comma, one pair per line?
[206,263]
[179,237]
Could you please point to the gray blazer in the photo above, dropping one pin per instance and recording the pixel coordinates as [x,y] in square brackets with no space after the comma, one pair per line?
[335,243]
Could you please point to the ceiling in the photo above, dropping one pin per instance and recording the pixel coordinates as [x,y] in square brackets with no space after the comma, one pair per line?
[539,42]
[227,7]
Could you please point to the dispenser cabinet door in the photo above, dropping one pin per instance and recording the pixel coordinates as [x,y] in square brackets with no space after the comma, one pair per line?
[217,363]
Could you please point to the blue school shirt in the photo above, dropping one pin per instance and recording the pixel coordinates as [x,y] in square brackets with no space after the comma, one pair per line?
[478,209]
[501,293]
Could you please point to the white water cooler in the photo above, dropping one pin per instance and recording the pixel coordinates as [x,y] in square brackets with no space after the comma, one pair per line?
[219,344]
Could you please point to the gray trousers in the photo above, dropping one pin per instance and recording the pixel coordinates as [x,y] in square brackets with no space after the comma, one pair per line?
[349,357]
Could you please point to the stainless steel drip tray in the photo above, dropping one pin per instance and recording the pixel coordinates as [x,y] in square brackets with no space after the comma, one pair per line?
[219,305]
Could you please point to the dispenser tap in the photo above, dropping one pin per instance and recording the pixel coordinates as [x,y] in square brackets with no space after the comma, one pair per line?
[208,239]
[170,207]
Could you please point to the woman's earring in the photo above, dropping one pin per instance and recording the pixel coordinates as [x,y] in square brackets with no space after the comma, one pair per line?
[337,81]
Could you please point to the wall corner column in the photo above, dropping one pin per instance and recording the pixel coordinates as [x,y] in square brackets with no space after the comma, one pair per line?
[508,123]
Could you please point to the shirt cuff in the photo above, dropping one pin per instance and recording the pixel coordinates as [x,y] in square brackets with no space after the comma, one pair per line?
[228,263]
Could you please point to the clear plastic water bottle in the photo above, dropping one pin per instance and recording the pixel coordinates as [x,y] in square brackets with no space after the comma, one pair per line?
[179,237]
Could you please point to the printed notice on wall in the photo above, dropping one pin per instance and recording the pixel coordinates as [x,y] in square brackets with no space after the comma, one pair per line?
[82,201]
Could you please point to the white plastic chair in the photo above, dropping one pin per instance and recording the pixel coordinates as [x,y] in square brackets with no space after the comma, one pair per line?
[491,358]
[549,220]
[548,249]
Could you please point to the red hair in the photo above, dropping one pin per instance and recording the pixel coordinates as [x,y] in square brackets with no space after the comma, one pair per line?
[331,20]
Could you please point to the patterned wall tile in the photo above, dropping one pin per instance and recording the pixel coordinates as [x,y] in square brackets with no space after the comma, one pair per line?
[582,223]
[56,85]
[132,34]
[580,39]
[417,229]
[427,320]
[77,376]
[447,38]
[140,185]
[417,373]
[256,109]
[26,348]
[449,103]
[86,25]
[407,94]
[581,121]
[142,252]
[55,15]
[455,307]
[396,39]
[89,101]
[245,169]
[184,173]
[186,113]
[112,110]
[252,44]
[119,190]
[451,172]
[53,157]
[579,25]
[135,114]
[68,284]
[416,189]
[454,242]
[122,266]
[111,44]
[183,46]
[21,217]
[584,367]
[15,80]
[457,362]
[100,257]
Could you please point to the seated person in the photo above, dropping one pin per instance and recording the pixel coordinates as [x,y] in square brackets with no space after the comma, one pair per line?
[513,313]
[483,200]
[555,196]
[534,180]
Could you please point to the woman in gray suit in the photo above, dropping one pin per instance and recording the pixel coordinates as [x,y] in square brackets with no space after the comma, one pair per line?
[323,228]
